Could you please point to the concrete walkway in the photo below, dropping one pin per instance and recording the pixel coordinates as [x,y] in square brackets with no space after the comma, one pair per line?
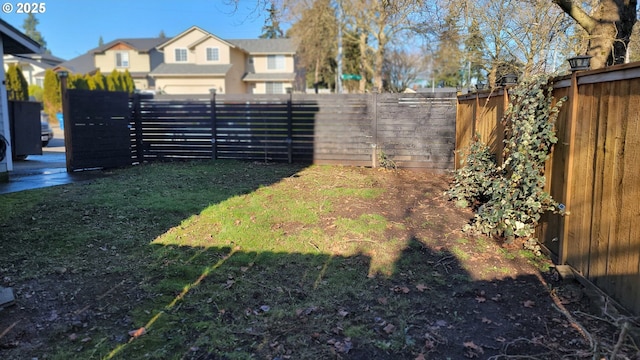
[48,169]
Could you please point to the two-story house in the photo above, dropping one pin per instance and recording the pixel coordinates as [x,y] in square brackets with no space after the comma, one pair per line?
[197,61]
[194,62]
[139,56]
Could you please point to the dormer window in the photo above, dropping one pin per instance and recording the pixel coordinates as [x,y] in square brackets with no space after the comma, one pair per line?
[122,59]
[181,55]
[213,54]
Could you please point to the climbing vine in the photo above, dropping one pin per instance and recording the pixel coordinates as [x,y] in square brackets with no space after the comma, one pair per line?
[514,192]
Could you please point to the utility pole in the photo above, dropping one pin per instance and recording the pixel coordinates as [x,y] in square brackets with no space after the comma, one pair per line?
[339,57]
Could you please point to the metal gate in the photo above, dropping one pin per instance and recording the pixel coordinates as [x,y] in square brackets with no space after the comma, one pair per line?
[96,125]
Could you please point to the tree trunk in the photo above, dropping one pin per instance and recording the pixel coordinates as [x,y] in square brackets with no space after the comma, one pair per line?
[609,28]
[362,44]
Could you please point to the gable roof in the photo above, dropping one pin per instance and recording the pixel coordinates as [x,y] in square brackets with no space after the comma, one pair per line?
[266,46]
[210,36]
[82,64]
[173,39]
[142,45]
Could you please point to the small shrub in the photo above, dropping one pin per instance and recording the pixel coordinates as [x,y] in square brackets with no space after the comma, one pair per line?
[515,196]
[473,181]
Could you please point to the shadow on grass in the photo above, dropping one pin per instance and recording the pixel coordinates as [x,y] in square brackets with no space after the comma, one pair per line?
[270,290]
[243,304]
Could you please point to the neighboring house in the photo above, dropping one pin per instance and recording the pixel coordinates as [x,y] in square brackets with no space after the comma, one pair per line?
[33,66]
[12,42]
[197,61]
[138,56]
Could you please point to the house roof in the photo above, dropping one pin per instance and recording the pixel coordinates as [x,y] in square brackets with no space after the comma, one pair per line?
[15,42]
[171,40]
[43,59]
[27,60]
[207,37]
[82,64]
[190,70]
[269,77]
[85,64]
[266,46]
[140,44]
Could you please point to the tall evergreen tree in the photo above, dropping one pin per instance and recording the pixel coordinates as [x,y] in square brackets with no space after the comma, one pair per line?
[447,67]
[130,85]
[113,81]
[100,41]
[271,28]
[99,81]
[17,87]
[162,35]
[30,24]
[474,52]
[51,96]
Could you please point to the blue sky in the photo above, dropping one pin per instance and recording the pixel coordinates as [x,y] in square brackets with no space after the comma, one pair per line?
[73,27]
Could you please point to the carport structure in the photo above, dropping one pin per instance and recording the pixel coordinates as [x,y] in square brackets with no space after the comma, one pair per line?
[13,42]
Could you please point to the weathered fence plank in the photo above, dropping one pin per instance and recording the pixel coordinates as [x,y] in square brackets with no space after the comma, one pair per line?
[594,169]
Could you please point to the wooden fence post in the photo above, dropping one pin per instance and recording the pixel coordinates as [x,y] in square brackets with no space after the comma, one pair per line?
[290,125]
[214,130]
[374,144]
[568,153]
[137,120]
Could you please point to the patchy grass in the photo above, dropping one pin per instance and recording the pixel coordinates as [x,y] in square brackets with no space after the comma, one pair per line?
[229,260]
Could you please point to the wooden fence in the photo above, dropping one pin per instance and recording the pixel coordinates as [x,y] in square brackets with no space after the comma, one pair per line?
[594,170]
[414,130]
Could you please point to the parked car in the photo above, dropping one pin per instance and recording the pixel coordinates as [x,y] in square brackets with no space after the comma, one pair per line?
[47,131]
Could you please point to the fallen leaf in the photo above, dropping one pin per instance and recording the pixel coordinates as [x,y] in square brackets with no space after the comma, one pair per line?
[480,299]
[400,289]
[244,268]
[389,328]
[529,303]
[229,284]
[343,312]
[486,321]
[383,300]
[500,339]
[265,308]
[422,287]
[472,350]
[420,357]
[73,337]
[138,332]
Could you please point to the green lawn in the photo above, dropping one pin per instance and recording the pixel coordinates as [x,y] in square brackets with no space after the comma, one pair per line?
[231,260]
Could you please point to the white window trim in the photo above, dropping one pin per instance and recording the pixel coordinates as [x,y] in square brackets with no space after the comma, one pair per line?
[128,61]
[206,54]
[186,54]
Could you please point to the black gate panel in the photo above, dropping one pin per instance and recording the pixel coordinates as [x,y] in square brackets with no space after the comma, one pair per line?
[26,133]
[97,131]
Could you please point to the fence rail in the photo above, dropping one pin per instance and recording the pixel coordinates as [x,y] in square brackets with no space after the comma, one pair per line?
[594,169]
[415,130]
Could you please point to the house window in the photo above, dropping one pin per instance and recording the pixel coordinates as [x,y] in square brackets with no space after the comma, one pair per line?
[213,54]
[274,88]
[122,59]
[181,55]
[275,62]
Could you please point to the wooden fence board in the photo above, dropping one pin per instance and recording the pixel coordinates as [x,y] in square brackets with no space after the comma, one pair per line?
[594,168]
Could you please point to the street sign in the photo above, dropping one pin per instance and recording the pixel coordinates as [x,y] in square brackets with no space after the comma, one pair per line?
[351,77]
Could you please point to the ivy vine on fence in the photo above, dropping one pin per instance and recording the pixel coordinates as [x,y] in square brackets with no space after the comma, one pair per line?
[510,198]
